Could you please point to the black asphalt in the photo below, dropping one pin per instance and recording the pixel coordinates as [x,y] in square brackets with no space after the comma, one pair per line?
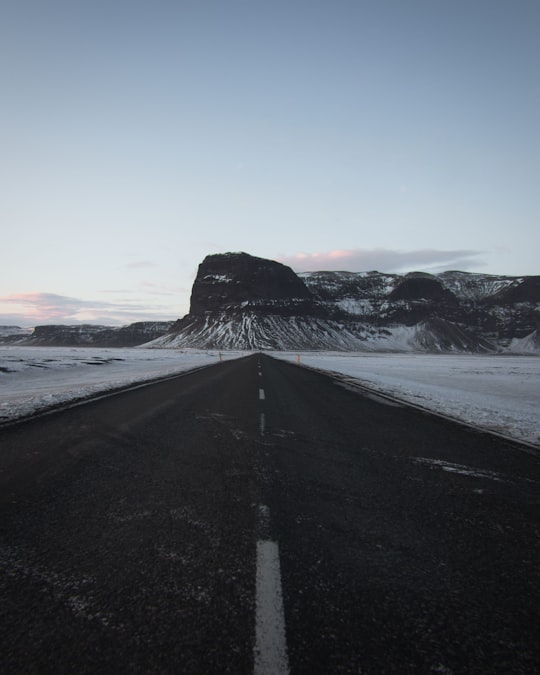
[408,544]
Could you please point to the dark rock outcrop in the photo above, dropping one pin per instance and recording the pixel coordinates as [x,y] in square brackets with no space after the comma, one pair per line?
[235,280]
[418,288]
[526,289]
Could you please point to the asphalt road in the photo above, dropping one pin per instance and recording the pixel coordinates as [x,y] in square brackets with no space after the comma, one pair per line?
[256,516]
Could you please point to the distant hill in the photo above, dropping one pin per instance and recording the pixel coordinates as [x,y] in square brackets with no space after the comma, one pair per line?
[86,335]
[6,331]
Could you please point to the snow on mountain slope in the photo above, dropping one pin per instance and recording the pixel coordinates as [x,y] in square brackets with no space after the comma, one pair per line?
[475,287]
[360,285]
[434,335]
[356,306]
[251,330]
[530,344]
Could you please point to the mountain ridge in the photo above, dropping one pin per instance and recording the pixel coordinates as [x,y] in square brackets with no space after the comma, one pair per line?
[86,335]
[234,306]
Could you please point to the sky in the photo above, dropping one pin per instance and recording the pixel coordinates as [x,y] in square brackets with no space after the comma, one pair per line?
[139,136]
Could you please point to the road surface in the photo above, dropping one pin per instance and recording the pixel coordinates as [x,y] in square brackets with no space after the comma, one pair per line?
[259,517]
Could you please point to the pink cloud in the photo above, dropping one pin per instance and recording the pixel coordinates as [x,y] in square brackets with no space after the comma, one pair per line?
[384,260]
[45,308]
[140,264]
[37,306]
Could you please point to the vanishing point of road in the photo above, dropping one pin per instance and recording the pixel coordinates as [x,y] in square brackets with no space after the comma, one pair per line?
[260,517]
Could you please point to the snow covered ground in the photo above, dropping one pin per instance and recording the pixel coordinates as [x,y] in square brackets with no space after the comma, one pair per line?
[499,393]
[33,378]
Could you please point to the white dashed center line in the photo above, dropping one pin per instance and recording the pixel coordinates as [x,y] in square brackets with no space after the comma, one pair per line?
[270,641]
[270,651]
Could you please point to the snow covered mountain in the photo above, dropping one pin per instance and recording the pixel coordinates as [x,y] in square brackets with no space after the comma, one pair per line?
[239,301]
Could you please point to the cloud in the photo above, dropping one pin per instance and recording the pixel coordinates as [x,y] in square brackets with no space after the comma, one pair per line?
[384,260]
[140,264]
[32,309]
[159,289]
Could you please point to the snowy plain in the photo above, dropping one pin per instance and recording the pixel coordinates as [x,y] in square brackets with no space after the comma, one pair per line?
[500,393]
[34,378]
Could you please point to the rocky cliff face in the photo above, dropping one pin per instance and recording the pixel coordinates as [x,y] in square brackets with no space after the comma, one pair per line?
[242,302]
[235,281]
